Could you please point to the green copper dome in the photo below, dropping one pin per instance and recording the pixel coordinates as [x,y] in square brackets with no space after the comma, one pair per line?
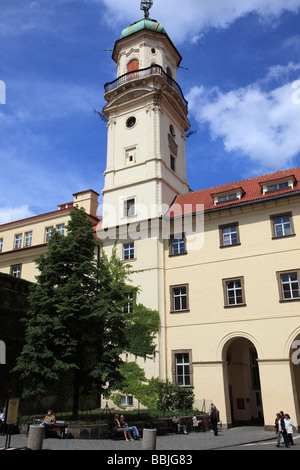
[145,23]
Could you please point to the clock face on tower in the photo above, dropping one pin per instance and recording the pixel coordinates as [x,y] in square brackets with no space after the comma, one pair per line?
[146,5]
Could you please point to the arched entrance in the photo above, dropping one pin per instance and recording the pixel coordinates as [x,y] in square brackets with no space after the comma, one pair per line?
[242,382]
[295,373]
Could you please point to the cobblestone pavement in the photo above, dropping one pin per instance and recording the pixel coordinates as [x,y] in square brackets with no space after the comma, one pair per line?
[171,442]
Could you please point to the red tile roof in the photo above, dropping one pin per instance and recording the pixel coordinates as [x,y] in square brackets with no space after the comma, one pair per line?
[251,190]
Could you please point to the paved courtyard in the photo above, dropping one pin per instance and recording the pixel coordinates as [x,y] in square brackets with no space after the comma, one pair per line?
[171,442]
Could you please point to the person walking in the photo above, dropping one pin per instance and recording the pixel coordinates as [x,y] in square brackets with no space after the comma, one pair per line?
[289,425]
[214,416]
[282,434]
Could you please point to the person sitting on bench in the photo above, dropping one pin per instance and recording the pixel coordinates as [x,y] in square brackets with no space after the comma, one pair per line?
[126,432]
[48,421]
[134,429]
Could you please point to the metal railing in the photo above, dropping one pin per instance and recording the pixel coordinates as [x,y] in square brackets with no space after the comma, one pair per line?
[142,73]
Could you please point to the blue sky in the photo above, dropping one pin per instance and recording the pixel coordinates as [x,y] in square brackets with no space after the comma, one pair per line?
[241,77]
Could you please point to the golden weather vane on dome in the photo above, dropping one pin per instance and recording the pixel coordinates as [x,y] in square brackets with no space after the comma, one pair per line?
[146,5]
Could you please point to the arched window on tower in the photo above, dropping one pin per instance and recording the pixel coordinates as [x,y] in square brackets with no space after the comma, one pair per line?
[133,67]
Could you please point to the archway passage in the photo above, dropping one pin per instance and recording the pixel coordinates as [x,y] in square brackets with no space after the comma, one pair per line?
[242,380]
[295,374]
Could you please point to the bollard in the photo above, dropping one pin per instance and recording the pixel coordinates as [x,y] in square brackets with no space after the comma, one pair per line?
[149,439]
[35,437]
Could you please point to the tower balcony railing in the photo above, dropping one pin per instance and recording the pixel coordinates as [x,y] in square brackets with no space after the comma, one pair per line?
[143,73]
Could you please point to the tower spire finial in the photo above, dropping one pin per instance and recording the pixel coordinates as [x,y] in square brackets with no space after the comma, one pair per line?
[146,5]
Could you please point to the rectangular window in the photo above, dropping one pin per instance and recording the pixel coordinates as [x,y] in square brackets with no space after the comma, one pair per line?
[289,285]
[126,400]
[182,367]
[15,270]
[229,234]
[177,245]
[179,298]
[234,292]
[48,233]
[1,244]
[28,239]
[274,187]
[18,241]
[61,229]
[128,306]
[227,197]
[129,208]
[282,225]
[128,251]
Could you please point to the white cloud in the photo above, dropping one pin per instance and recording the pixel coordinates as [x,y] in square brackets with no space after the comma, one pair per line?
[187,21]
[250,121]
[9,214]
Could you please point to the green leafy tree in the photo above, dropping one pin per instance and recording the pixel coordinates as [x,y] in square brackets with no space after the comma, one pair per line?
[144,390]
[75,330]
[172,397]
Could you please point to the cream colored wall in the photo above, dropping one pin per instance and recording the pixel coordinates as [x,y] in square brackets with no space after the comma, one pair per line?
[26,256]
[37,225]
[148,178]
[265,321]
[148,275]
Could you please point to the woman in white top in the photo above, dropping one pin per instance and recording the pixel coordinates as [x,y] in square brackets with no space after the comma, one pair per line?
[289,425]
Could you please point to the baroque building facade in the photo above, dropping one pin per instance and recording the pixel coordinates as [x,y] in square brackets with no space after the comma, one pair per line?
[220,265]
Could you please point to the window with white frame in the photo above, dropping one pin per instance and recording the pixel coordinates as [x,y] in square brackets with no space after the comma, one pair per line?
[177,245]
[28,239]
[61,229]
[128,306]
[179,298]
[274,187]
[15,270]
[126,400]
[282,225]
[234,294]
[229,235]
[283,183]
[18,241]
[48,233]
[128,251]
[227,196]
[182,368]
[289,285]
[1,244]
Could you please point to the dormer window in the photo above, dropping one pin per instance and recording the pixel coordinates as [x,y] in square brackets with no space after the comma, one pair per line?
[273,187]
[227,196]
[277,185]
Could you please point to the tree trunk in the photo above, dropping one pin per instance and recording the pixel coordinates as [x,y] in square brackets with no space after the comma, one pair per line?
[76,395]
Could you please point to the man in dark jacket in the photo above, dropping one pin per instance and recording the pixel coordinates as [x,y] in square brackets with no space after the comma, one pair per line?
[214,416]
